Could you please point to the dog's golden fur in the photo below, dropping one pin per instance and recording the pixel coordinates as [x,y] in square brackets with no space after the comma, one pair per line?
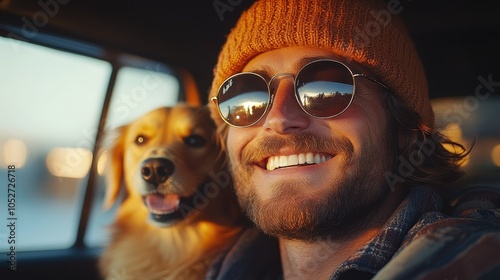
[182,248]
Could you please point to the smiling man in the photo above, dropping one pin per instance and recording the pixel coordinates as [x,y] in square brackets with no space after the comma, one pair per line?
[317,125]
[301,172]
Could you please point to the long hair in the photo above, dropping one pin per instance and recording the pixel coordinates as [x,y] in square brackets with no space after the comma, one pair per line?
[422,148]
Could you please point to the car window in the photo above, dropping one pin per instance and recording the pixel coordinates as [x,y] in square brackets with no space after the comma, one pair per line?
[51,105]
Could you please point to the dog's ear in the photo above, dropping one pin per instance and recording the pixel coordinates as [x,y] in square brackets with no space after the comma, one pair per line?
[114,147]
[191,92]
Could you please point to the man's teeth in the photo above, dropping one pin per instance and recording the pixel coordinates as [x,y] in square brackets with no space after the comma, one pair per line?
[297,159]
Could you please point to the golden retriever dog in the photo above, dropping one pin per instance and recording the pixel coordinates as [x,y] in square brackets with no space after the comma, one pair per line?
[179,211]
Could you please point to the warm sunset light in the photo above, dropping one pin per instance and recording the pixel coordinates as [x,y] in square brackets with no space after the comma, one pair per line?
[495,155]
[69,162]
[454,132]
[249,105]
[14,152]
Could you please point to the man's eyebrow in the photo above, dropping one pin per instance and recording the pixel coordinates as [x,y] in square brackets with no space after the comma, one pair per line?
[264,71]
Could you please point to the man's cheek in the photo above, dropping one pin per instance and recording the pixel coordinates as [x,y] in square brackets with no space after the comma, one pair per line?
[236,141]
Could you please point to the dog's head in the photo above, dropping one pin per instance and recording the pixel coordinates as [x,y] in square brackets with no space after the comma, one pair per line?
[163,158]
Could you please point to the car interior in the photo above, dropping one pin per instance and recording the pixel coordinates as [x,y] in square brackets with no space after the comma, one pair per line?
[72,69]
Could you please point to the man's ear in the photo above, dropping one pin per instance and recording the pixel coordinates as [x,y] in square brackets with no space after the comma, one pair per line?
[114,167]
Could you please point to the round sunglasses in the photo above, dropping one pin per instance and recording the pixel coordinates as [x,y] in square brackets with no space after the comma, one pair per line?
[323,88]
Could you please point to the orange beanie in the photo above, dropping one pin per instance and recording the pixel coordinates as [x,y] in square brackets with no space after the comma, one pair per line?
[368,32]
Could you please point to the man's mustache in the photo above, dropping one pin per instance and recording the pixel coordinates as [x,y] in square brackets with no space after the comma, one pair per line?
[265,147]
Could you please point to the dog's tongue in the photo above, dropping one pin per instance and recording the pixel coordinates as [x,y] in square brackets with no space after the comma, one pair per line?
[162,203]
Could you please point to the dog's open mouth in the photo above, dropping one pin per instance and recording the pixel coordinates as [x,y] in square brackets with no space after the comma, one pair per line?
[162,204]
[167,208]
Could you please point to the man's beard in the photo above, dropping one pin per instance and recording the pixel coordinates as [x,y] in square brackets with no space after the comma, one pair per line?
[341,209]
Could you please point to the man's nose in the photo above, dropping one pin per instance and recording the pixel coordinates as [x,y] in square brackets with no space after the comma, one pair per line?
[285,114]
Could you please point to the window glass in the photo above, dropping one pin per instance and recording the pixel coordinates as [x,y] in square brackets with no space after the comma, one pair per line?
[50,103]
[136,91]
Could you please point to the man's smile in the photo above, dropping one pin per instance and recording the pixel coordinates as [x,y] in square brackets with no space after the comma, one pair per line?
[275,162]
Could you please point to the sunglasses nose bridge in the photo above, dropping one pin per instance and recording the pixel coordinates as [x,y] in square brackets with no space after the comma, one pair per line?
[274,85]
[275,81]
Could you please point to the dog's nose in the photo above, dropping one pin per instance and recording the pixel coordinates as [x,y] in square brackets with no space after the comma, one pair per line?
[157,170]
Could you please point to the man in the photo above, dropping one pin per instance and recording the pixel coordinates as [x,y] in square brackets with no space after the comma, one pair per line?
[324,111]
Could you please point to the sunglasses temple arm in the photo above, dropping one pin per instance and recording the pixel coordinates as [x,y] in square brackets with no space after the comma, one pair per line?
[371,79]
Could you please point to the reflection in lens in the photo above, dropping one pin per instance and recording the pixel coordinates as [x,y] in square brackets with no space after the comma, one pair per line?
[243,99]
[325,88]
[325,99]
[244,109]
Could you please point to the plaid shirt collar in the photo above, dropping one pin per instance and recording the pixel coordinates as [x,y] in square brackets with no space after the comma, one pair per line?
[398,231]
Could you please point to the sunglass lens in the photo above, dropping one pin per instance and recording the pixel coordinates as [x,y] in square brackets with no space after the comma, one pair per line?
[243,99]
[325,88]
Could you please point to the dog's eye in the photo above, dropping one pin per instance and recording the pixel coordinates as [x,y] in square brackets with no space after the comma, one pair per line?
[140,140]
[195,141]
